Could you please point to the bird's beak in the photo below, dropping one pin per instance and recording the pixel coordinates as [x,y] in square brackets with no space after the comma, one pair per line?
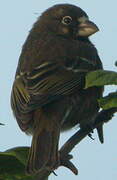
[87,28]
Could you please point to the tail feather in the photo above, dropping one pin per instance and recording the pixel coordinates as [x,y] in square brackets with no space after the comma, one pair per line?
[39,152]
[43,153]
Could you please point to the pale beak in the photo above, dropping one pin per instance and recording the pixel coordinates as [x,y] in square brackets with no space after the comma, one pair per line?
[87,28]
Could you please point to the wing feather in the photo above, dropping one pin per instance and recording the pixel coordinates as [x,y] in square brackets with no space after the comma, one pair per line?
[43,85]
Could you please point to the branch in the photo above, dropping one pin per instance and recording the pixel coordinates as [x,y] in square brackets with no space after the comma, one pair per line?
[103,117]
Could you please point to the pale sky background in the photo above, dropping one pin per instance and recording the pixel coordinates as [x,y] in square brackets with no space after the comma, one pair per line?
[94,161]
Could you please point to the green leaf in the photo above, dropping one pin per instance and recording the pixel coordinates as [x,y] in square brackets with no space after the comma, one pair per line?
[109,101]
[12,164]
[21,153]
[100,78]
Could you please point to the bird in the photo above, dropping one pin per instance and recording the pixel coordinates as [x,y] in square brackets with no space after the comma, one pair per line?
[48,94]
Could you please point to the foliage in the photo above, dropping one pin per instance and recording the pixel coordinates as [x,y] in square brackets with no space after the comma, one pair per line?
[101,78]
[12,164]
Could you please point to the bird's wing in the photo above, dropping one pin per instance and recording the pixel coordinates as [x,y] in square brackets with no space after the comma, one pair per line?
[44,84]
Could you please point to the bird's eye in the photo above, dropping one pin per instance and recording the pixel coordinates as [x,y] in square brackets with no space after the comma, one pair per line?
[67,20]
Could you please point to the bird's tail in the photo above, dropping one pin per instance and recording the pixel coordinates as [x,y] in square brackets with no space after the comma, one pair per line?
[43,153]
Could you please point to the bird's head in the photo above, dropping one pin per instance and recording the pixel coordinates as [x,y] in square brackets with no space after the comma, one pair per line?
[68,21]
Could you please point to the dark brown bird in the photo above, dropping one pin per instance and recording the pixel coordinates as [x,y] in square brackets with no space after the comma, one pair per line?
[48,94]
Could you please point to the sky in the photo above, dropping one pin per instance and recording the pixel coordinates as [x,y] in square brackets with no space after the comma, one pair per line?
[94,161]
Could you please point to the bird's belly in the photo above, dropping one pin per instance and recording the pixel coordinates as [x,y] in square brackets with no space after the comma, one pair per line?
[82,110]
